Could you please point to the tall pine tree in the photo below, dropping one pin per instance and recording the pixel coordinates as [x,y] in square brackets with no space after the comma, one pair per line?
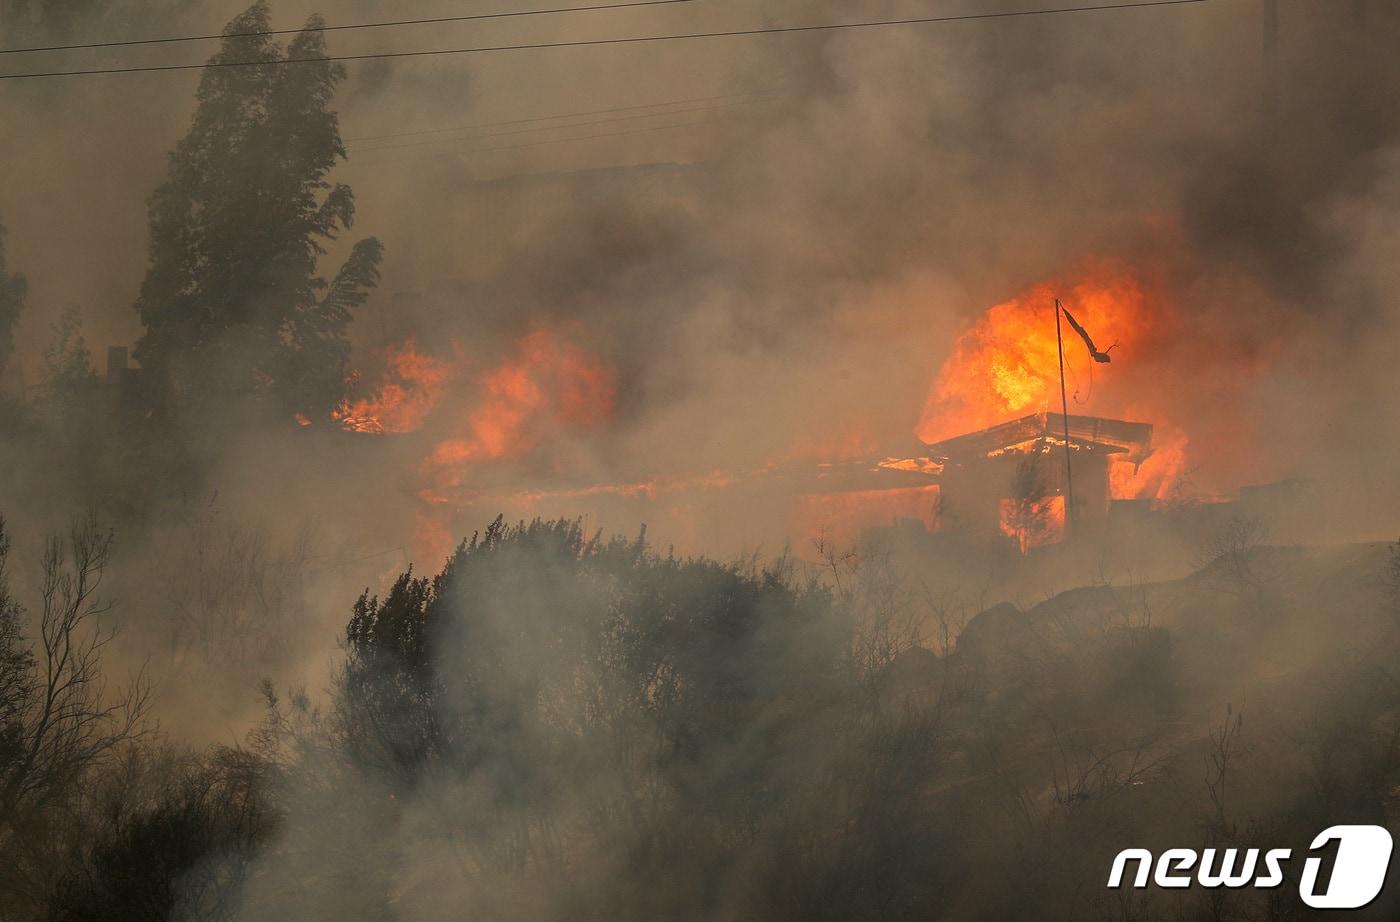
[232,302]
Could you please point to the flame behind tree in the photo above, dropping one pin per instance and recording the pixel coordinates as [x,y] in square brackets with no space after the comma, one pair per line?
[549,383]
[547,386]
[413,385]
[232,302]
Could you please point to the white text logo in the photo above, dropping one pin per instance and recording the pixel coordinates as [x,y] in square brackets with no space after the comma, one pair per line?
[1358,865]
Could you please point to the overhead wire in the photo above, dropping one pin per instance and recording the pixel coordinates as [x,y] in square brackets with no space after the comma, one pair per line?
[382,24]
[597,42]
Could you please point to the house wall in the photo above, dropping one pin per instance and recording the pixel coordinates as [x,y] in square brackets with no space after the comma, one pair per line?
[973,491]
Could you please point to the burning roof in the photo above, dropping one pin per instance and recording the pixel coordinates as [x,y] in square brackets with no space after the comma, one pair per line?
[1130,441]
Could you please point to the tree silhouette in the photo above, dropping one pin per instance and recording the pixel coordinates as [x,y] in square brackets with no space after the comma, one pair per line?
[60,718]
[232,302]
[67,373]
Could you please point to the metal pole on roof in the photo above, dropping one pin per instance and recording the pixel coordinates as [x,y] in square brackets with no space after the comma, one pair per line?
[1064,406]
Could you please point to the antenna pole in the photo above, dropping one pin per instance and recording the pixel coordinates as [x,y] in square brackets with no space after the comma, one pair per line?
[1064,406]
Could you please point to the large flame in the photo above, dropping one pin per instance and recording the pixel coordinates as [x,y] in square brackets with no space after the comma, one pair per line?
[413,386]
[547,385]
[548,382]
[1007,363]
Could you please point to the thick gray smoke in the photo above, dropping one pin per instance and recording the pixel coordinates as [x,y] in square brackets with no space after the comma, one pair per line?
[848,190]
[780,269]
[768,244]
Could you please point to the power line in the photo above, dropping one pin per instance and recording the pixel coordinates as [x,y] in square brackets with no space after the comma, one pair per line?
[549,118]
[385,24]
[626,40]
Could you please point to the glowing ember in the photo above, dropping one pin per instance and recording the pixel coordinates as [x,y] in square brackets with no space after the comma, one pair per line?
[913,465]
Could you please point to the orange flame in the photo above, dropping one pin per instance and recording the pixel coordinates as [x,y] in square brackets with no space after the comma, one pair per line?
[414,385]
[549,381]
[548,384]
[1161,476]
[1007,363]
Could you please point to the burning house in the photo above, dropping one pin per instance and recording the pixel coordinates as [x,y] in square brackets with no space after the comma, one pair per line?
[1011,480]
[1017,478]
